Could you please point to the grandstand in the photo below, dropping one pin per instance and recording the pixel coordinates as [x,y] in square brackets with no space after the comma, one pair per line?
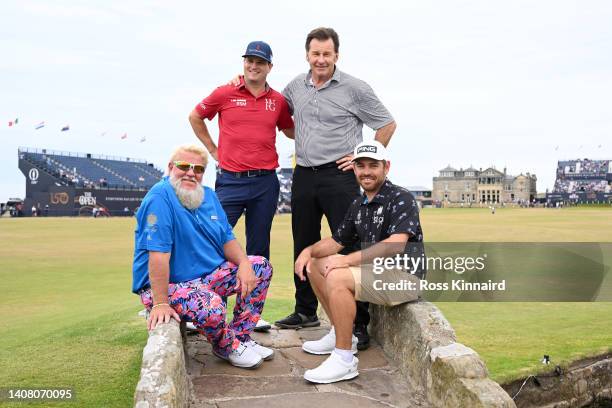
[94,170]
[67,183]
[75,183]
[583,181]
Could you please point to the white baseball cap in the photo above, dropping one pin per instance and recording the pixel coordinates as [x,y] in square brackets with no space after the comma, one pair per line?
[372,149]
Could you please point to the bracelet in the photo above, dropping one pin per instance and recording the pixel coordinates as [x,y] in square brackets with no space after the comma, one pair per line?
[159,304]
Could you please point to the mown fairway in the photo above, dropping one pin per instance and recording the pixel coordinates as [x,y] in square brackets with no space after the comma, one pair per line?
[71,321]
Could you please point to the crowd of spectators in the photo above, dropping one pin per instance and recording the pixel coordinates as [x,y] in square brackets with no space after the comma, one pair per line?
[284,197]
[582,176]
[588,186]
[584,167]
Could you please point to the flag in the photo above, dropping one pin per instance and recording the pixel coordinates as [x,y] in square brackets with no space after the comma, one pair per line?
[143,139]
[40,125]
[16,121]
[10,123]
[13,122]
[124,136]
[65,128]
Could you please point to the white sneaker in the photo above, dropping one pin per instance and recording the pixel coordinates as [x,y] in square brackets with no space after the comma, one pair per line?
[332,370]
[326,344]
[190,326]
[243,357]
[264,352]
[262,326]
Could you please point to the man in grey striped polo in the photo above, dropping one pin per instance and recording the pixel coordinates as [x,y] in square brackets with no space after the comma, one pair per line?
[329,109]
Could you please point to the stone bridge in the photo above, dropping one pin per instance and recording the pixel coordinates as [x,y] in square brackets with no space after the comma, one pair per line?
[414,362]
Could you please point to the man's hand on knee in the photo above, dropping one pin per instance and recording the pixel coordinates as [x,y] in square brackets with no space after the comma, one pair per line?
[161,313]
[246,278]
[334,262]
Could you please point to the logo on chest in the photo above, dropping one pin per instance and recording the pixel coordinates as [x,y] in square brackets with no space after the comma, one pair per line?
[270,105]
[239,102]
[379,217]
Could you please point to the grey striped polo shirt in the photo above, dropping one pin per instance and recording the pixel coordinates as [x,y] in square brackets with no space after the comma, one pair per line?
[329,120]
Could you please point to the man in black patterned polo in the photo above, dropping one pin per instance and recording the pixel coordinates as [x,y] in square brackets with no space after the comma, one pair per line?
[384,221]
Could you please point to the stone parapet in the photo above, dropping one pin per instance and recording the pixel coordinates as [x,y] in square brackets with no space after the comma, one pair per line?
[423,344]
[163,377]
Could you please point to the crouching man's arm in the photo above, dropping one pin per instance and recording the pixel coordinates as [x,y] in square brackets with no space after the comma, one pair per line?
[325,247]
[159,275]
[245,276]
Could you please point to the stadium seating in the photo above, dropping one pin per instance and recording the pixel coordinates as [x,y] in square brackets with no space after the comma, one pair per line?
[96,171]
[583,175]
[100,172]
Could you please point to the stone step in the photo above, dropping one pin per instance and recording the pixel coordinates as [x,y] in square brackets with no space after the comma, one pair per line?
[280,382]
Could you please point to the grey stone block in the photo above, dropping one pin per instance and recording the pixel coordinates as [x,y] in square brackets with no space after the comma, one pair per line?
[163,378]
[418,338]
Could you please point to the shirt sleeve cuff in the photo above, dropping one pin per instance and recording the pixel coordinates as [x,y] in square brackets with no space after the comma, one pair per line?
[156,247]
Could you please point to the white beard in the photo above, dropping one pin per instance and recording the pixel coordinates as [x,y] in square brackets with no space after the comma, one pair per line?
[190,199]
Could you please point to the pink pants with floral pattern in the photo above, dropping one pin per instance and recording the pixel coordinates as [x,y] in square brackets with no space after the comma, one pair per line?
[199,301]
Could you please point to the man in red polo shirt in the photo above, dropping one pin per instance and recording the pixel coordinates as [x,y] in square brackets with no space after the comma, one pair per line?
[248,117]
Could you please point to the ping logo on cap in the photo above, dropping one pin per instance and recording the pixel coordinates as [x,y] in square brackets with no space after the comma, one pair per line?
[370,149]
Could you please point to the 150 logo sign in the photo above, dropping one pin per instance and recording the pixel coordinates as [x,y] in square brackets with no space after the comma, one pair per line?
[59,198]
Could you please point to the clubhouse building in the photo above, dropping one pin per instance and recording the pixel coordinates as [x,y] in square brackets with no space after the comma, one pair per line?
[489,186]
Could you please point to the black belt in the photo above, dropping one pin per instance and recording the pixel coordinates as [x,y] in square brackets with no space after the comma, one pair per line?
[248,173]
[321,166]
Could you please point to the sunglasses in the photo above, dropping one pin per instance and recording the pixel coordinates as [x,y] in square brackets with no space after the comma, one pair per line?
[185,166]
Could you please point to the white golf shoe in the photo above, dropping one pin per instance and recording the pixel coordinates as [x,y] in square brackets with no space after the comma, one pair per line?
[264,352]
[262,326]
[332,370]
[326,344]
[243,357]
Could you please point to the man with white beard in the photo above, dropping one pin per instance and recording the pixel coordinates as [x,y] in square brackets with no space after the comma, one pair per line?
[186,258]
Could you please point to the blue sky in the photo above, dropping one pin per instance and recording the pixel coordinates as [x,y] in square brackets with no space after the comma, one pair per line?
[469,82]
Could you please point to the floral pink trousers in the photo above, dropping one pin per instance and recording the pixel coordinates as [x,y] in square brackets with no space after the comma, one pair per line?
[199,301]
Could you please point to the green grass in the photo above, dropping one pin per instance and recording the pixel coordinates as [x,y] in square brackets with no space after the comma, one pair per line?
[70,319]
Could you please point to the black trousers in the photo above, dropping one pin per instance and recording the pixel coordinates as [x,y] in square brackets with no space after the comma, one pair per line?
[315,193]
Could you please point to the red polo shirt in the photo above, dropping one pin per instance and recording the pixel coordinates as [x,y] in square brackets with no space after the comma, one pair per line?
[247,126]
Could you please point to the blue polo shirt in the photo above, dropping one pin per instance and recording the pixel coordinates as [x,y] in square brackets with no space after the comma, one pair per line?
[195,238]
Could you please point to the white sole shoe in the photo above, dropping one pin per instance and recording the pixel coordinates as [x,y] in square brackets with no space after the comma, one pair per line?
[262,326]
[332,370]
[242,357]
[326,345]
[264,352]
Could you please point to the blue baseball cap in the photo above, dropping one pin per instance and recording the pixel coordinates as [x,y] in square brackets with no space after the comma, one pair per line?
[259,49]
